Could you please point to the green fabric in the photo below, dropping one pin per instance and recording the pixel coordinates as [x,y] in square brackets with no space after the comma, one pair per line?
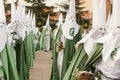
[9,67]
[1,71]
[54,70]
[69,52]
[20,57]
[51,40]
[78,58]
[81,60]
[4,59]
[96,54]
[13,74]
[38,45]
[86,63]
[42,40]
[30,49]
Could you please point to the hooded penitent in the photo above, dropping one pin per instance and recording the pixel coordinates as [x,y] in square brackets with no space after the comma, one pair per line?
[70,28]
[71,33]
[57,56]
[88,43]
[45,36]
[109,63]
[6,50]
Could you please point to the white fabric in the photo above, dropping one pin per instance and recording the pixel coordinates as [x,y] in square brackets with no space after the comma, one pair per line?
[23,14]
[67,16]
[13,12]
[34,29]
[98,30]
[2,12]
[47,39]
[59,61]
[109,71]
[60,57]
[28,16]
[72,9]
[90,39]
[48,20]
[103,39]
[96,14]
[116,12]
[91,43]
[70,28]
[103,12]
[60,23]
[113,41]
[47,34]
[60,20]
[3,38]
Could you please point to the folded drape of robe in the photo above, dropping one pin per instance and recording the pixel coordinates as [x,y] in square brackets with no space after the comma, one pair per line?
[69,52]
[81,61]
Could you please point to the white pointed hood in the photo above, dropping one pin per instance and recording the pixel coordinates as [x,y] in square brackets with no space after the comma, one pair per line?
[70,28]
[27,16]
[3,38]
[72,9]
[48,20]
[2,14]
[23,14]
[33,21]
[116,13]
[60,22]
[13,12]
[112,40]
[103,12]
[111,21]
[19,12]
[97,31]
[96,14]
[47,23]
[67,15]
[3,30]
[35,29]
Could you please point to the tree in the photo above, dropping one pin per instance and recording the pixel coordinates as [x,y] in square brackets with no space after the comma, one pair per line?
[41,10]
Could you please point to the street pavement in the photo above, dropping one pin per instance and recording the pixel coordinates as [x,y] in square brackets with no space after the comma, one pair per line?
[42,66]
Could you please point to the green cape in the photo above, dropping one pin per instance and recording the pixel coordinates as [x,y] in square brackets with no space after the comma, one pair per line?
[42,39]
[54,70]
[21,62]
[69,52]
[9,67]
[82,61]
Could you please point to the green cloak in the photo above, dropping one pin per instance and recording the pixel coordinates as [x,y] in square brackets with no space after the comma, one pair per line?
[4,59]
[82,61]
[30,49]
[12,68]
[20,57]
[54,70]
[69,52]
[9,67]
[42,39]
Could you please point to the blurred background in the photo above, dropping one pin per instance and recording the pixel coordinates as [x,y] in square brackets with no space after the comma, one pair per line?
[54,7]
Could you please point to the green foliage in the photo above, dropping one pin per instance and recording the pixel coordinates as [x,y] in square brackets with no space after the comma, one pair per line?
[39,8]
